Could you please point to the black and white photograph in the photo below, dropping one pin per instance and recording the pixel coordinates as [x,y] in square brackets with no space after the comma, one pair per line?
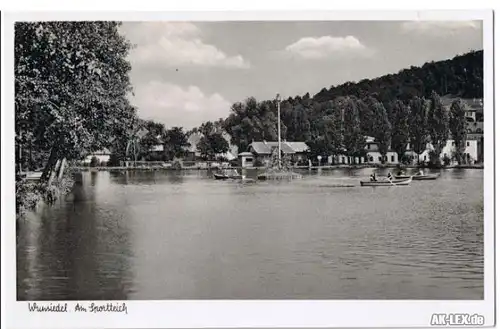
[180,160]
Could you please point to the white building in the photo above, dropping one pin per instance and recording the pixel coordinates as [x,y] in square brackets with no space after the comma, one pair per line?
[470,152]
[102,156]
[374,156]
[344,159]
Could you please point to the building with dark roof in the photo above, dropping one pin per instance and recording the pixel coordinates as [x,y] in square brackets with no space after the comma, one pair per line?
[259,153]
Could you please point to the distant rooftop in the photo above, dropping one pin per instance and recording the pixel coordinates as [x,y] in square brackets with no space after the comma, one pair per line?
[104,151]
[369,139]
[157,148]
[265,147]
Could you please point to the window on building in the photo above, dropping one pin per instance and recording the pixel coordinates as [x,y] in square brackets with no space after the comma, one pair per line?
[380,159]
[425,157]
[371,159]
[468,144]
[392,158]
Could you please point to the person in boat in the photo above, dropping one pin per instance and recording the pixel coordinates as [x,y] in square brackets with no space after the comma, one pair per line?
[401,172]
[373,177]
[420,172]
[389,176]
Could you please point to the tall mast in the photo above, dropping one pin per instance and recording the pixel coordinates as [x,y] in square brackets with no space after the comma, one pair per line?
[278,99]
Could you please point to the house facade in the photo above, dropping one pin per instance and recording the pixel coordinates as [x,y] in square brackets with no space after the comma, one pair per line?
[474,115]
[246,159]
[102,156]
[259,153]
[373,155]
[471,152]
[479,138]
[344,159]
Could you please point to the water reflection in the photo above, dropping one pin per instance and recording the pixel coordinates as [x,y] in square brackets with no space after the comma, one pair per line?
[183,235]
[72,252]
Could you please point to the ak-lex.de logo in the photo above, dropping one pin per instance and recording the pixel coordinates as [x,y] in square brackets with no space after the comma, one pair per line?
[456,319]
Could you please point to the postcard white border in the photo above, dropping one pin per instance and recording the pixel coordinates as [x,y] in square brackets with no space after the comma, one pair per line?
[230,314]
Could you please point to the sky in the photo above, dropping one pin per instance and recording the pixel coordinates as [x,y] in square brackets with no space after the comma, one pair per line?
[186,73]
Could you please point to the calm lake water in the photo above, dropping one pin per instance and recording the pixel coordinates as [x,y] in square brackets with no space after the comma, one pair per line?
[183,235]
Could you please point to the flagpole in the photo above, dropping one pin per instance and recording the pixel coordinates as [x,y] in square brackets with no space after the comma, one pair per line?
[278,98]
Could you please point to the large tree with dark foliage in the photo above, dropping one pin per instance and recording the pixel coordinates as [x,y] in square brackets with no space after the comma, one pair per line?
[418,132]
[175,141]
[401,128]
[155,132]
[438,122]
[353,139]
[458,128]
[211,145]
[253,120]
[71,86]
[382,133]
[327,137]
[125,132]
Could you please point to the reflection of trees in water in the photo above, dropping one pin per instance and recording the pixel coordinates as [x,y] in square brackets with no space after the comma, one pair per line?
[25,258]
[82,252]
[137,177]
[175,177]
[93,178]
[458,173]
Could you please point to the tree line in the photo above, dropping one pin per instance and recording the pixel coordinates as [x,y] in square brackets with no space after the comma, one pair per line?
[396,109]
[461,76]
[339,126]
[175,142]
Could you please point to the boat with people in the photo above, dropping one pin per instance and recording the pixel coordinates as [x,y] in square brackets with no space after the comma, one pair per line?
[387,182]
[426,177]
[418,176]
[221,176]
[227,174]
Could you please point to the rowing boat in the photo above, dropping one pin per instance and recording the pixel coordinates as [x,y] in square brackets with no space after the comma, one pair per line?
[227,174]
[419,177]
[395,182]
[426,177]
[221,176]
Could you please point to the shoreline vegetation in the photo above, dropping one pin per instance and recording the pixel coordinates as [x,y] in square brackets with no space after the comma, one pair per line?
[72,100]
[30,194]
